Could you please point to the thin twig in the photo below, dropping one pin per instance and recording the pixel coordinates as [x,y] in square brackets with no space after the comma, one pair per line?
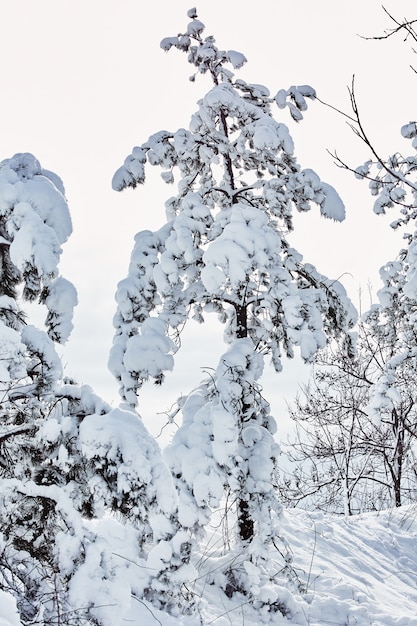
[331,106]
[146,607]
[406,25]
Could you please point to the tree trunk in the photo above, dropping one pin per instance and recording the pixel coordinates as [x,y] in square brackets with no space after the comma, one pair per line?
[241,321]
[398,456]
[245,523]
[399,467]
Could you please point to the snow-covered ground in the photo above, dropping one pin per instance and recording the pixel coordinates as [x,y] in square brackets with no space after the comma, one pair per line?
[359,571]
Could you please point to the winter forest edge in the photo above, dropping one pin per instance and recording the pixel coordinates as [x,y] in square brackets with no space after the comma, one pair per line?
[95,516]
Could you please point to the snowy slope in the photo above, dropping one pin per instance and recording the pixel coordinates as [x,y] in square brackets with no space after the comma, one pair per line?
[359,571]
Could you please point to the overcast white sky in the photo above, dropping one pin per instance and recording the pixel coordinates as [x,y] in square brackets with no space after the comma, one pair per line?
[83,81]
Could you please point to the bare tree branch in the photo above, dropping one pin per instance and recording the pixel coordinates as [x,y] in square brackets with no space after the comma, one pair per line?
[407,25]
[404,25]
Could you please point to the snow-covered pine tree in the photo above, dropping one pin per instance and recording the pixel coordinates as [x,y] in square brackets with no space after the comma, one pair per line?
[224,248]
[34,222]
[84,492]
[392,321]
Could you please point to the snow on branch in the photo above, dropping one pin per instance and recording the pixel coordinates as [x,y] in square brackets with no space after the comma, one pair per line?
[35,222]
[224,247]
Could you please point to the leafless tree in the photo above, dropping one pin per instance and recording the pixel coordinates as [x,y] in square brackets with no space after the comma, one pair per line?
[345,456]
